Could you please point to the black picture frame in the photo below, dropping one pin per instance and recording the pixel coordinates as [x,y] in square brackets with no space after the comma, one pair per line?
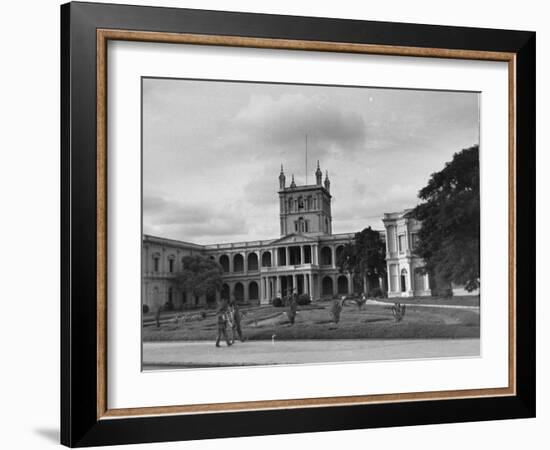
[80,425]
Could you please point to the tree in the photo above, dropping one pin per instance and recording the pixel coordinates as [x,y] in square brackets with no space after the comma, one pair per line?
[371,257]
[449,238]
[365,258]
[200,276]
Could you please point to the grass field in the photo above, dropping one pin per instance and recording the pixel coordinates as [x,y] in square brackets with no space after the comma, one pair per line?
[315,322]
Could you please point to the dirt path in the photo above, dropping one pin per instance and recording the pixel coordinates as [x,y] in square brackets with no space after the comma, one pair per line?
[158,355]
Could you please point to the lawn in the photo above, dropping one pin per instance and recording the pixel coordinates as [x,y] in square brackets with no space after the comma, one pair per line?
[315,322]
[466,300]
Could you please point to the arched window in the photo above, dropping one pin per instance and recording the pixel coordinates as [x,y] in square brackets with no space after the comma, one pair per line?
[224,262]
[170,297]
[238,263]
[266,259]
[225,292]
[339,251]
[342,285]
[171,263]
[238,292]
[326,256]
[327,288]
[156,262]
[252,262]
[404,274]
[253,291]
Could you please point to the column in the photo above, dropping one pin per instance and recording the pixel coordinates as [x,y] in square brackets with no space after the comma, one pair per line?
[333,250]
[245,291]
[275,259]
[410,278]
[301,254]
[294,284]
[426,282]
[306,283]
[245,262]
[278,286]
[262,294]
[315,254]
[230,256]
[350,284]
[287,254]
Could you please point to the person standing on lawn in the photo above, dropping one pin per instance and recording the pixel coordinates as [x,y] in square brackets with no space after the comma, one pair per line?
[221,315]
[292,307]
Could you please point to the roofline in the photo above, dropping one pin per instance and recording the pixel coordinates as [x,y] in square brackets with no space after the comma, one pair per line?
[255,243]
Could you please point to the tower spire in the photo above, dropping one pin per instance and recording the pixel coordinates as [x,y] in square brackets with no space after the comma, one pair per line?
[282,178]
[327,182]
[292,184]
[318,175]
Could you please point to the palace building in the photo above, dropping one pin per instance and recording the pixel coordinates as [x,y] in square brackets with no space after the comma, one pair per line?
[302,258]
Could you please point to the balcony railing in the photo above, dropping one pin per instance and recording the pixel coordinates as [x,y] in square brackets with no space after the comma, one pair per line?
[277,269]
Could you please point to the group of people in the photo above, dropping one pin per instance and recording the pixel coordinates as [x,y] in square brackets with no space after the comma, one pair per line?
[229,322]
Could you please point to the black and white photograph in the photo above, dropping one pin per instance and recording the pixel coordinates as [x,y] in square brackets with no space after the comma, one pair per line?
[302,224]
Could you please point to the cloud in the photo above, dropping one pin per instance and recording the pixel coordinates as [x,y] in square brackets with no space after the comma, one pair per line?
[190,222]
[284,121]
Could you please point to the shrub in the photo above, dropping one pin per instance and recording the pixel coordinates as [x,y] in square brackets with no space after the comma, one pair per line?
[303,299]
[277,302]
[168,306]
[145,309]
[336,309]
[376,293]
[398,310]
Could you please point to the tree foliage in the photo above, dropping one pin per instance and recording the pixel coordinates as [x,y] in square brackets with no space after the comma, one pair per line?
[200,276]
[365,258]
[371,253]
[449,212]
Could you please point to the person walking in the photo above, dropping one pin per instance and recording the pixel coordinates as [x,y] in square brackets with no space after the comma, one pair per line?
[221,315]
[236,319]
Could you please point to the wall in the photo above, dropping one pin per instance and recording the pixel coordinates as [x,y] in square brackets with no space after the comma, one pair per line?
[29,174]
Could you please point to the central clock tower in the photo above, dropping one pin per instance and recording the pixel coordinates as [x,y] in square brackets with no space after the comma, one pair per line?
[305,209]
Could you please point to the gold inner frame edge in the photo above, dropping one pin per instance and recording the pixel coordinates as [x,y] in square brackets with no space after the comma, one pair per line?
[104,35]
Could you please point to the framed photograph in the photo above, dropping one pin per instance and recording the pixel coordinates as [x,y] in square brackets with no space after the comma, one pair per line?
[278,224]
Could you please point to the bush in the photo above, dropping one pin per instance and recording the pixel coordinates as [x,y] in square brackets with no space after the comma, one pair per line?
[303,299]
[376,293]
[168,306]
[442,292]
[277,302]
[145,309]
[398,310]
[336,309]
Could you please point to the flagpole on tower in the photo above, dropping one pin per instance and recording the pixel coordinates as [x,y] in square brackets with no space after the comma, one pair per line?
[306,158]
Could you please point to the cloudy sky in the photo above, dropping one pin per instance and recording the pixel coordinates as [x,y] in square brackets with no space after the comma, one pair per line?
[212,152]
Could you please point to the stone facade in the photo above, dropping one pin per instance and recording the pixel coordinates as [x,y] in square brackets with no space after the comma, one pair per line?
[303,258]
[405,277]
[403,266]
